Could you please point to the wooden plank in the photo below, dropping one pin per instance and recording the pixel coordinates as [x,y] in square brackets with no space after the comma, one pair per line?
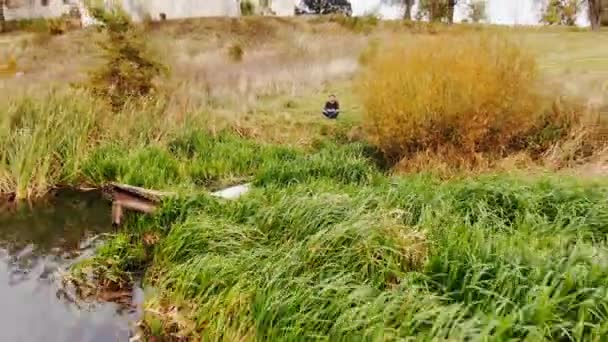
[124,201]
[128,197]
[151,195]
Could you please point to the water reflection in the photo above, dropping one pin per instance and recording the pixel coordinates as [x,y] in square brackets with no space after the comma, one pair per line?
[37,243]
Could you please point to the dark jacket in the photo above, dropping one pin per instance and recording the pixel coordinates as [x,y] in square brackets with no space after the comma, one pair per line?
[331,110]
[334,106]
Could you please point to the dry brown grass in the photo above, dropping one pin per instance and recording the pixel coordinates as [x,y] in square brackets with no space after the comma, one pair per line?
[287,70]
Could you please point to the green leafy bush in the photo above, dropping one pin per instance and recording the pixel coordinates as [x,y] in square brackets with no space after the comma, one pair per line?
[129,70]
[561,12]
[236,52]
[247,8]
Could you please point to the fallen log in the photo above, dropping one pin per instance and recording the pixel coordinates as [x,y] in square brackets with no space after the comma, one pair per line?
[128,197]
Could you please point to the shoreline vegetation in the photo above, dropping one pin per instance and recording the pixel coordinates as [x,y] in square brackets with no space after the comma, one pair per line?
[447,202]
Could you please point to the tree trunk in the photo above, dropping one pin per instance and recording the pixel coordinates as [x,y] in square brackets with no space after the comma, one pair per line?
[595,14]
[450,11]
[408,9]
[2,19]
[435,10]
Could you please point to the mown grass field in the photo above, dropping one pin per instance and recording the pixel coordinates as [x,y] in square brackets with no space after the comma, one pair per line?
[334,242]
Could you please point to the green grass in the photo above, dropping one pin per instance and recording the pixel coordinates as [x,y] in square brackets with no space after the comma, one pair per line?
[42,143]
[326,247]
[69,139]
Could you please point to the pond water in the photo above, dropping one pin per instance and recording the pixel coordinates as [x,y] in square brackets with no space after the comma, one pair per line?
[38,243]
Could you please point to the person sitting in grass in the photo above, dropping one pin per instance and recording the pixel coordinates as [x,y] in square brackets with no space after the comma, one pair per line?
[332,108]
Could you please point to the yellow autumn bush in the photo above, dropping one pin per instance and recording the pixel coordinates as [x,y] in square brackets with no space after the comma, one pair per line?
[470,93]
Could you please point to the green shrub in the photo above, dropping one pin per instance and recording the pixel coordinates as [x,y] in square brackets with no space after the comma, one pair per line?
[247,8]
[561,12]
[236,52]
[57,26]
[129,70]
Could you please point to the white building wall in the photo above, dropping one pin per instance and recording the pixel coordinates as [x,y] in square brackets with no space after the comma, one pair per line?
[176,9]
[29,9]
[283,8]
[515,12]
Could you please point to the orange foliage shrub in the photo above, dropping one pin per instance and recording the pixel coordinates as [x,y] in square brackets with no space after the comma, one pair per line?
[471,93]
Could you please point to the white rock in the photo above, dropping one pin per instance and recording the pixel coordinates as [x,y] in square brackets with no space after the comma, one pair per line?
[233,192]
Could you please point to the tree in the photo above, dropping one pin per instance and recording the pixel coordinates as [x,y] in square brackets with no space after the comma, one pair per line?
[433,9]
[437,10]
[2,19]
[129,69]
[408,9]
[477,10]
[561,12]
[450,11]
[595,13]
